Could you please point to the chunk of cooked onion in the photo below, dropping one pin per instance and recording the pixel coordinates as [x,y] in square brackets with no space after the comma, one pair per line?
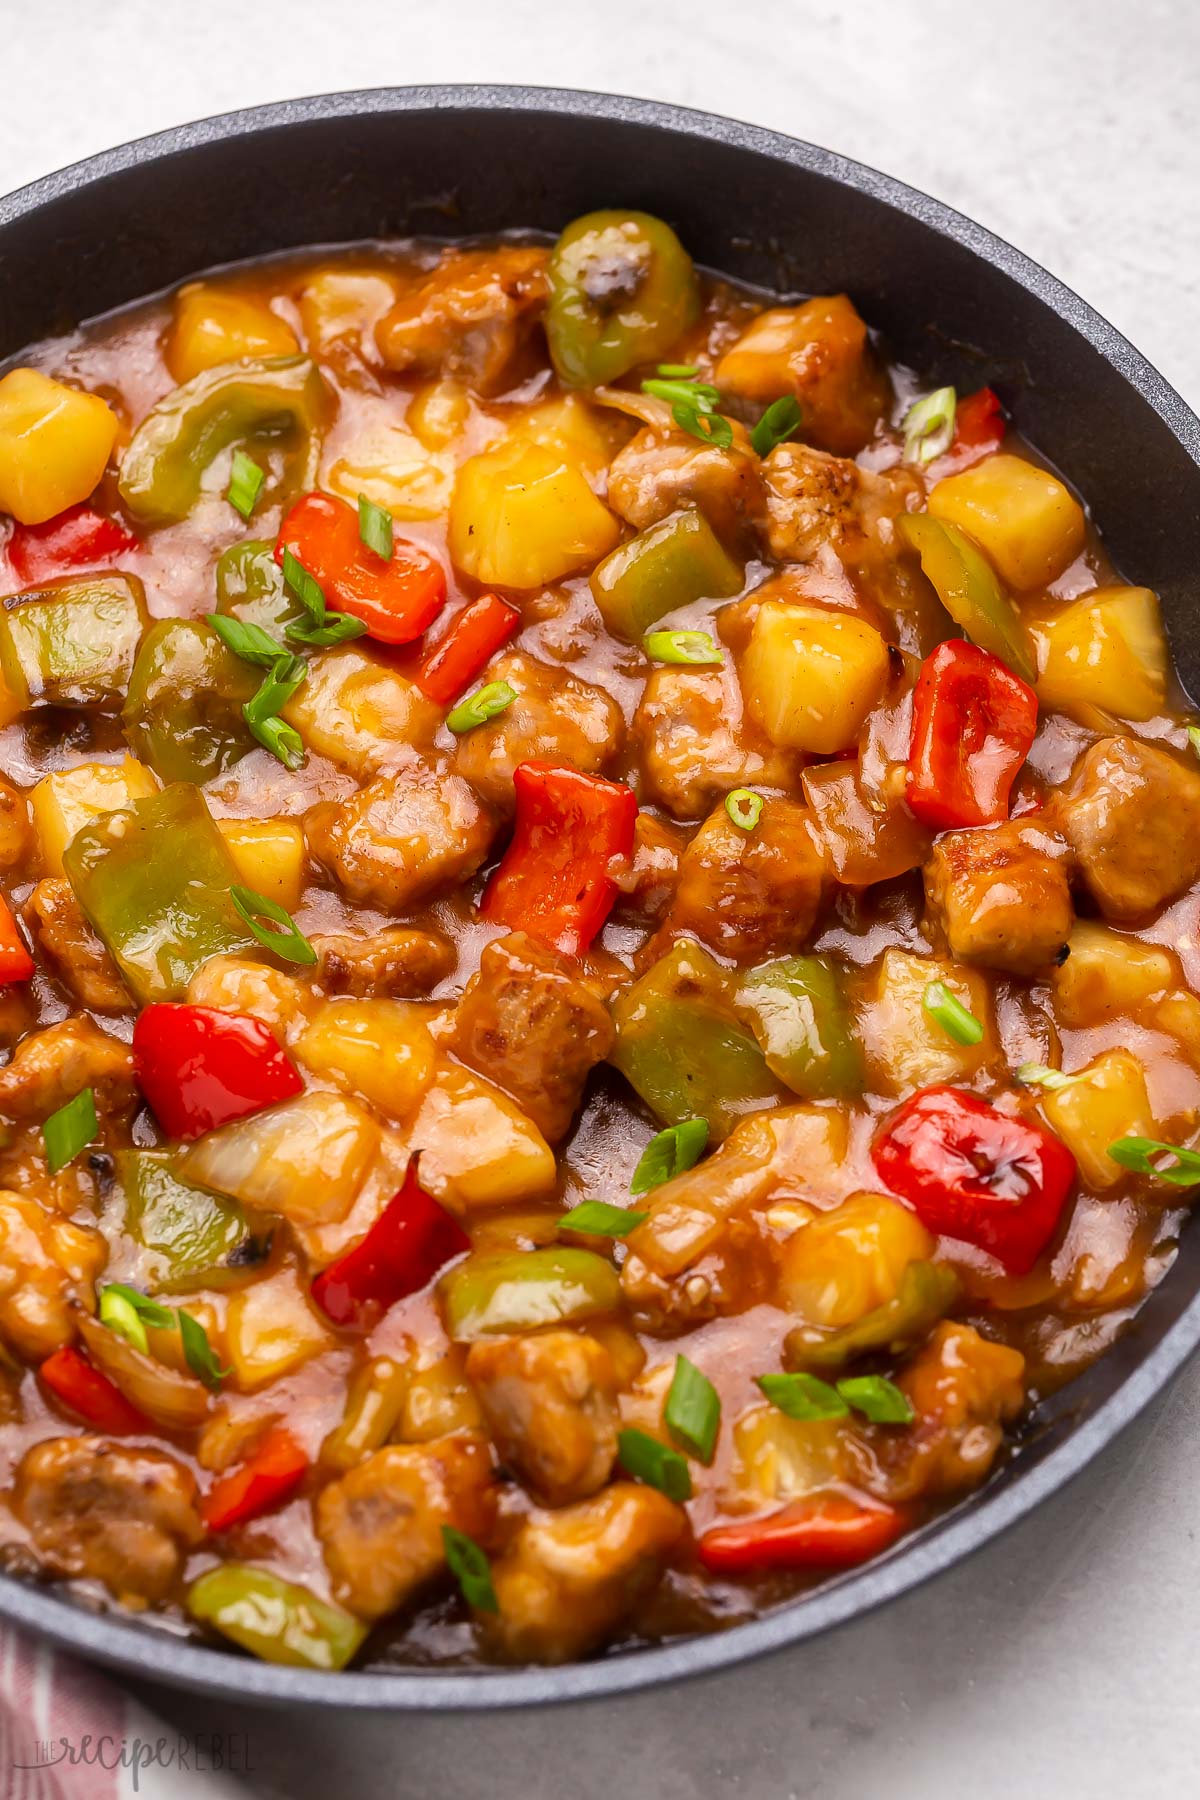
[173,1400]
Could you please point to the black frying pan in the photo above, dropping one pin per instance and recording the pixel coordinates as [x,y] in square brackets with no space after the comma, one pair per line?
[951,299]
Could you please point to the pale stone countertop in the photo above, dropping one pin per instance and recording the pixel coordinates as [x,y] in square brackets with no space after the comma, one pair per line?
[1063,1660]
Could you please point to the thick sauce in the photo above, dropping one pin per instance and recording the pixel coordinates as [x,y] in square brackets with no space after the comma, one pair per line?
[769,964]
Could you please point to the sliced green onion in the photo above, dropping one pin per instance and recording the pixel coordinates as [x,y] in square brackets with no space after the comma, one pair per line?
[245,483]
[677,371]
[128,1313]
[282,740]
[804,1397]
[121,1317]
[781,421]
[877,1399]
[1193,732]
[693,1410]
[929,426]
[245,639]
[683,647]
[1038,1075]
[66,1131]
[484,704]
[709,427]
[289,942]
[153,1312]
[306,587]
[471,1569]
[1139,1153]
[643,1457]
[198,1352]
[601,1219]
[285,675]
[744,807]
[335,628]
[693,408]
[669,1153]
[375,527]
[953,1017]
[699,394]
[261,713]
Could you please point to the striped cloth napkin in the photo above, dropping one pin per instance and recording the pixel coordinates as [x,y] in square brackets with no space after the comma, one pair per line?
[69,1733]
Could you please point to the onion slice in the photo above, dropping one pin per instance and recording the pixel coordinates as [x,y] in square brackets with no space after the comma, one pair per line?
[173,1400]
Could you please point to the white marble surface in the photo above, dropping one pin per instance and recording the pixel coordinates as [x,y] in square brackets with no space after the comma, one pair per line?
[1062,1661]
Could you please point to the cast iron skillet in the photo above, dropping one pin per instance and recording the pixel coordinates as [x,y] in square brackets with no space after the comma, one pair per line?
[951,299]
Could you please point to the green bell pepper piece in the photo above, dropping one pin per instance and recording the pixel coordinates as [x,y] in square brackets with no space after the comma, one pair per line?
[797,1010]
[195,1239]
[682,1047]
[154,880]
[277,1620]
[622,290]
[679,560]
[519,1290]
[72,643]
[250,587]
[926,1293]
[167,455]
[970,590]
[183,713]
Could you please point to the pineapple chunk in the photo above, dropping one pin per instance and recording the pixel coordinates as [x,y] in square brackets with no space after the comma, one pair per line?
[569,425]
[1178,1014]
[782,1459]
[477,1148]
[438,1400]
[214,324]
[1024,519]
[358,712]
[1106,1101]
[439,413]
[1107,975]
[270,1329]
[523,515]
[268,855]
[379,1049]
[1108,650]
[906,1047]
[849,1261]
[342,306]
[55,443]
[305,1159]
[811,676]
[64,803]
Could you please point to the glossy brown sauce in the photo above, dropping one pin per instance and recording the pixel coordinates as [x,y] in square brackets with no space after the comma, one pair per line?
[1113,1247]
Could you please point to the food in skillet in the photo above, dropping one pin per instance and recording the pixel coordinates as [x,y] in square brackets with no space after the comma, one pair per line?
[599,957]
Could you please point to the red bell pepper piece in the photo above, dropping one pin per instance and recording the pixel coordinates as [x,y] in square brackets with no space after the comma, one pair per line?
[555,879]
[89,1394]
[828,1532]
[16,964]
[474,636]
[406,1246]
[200,1068]
[395,600]
[80,538]
[269,1476]
[972,1173]
[974,723]
[978,422]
